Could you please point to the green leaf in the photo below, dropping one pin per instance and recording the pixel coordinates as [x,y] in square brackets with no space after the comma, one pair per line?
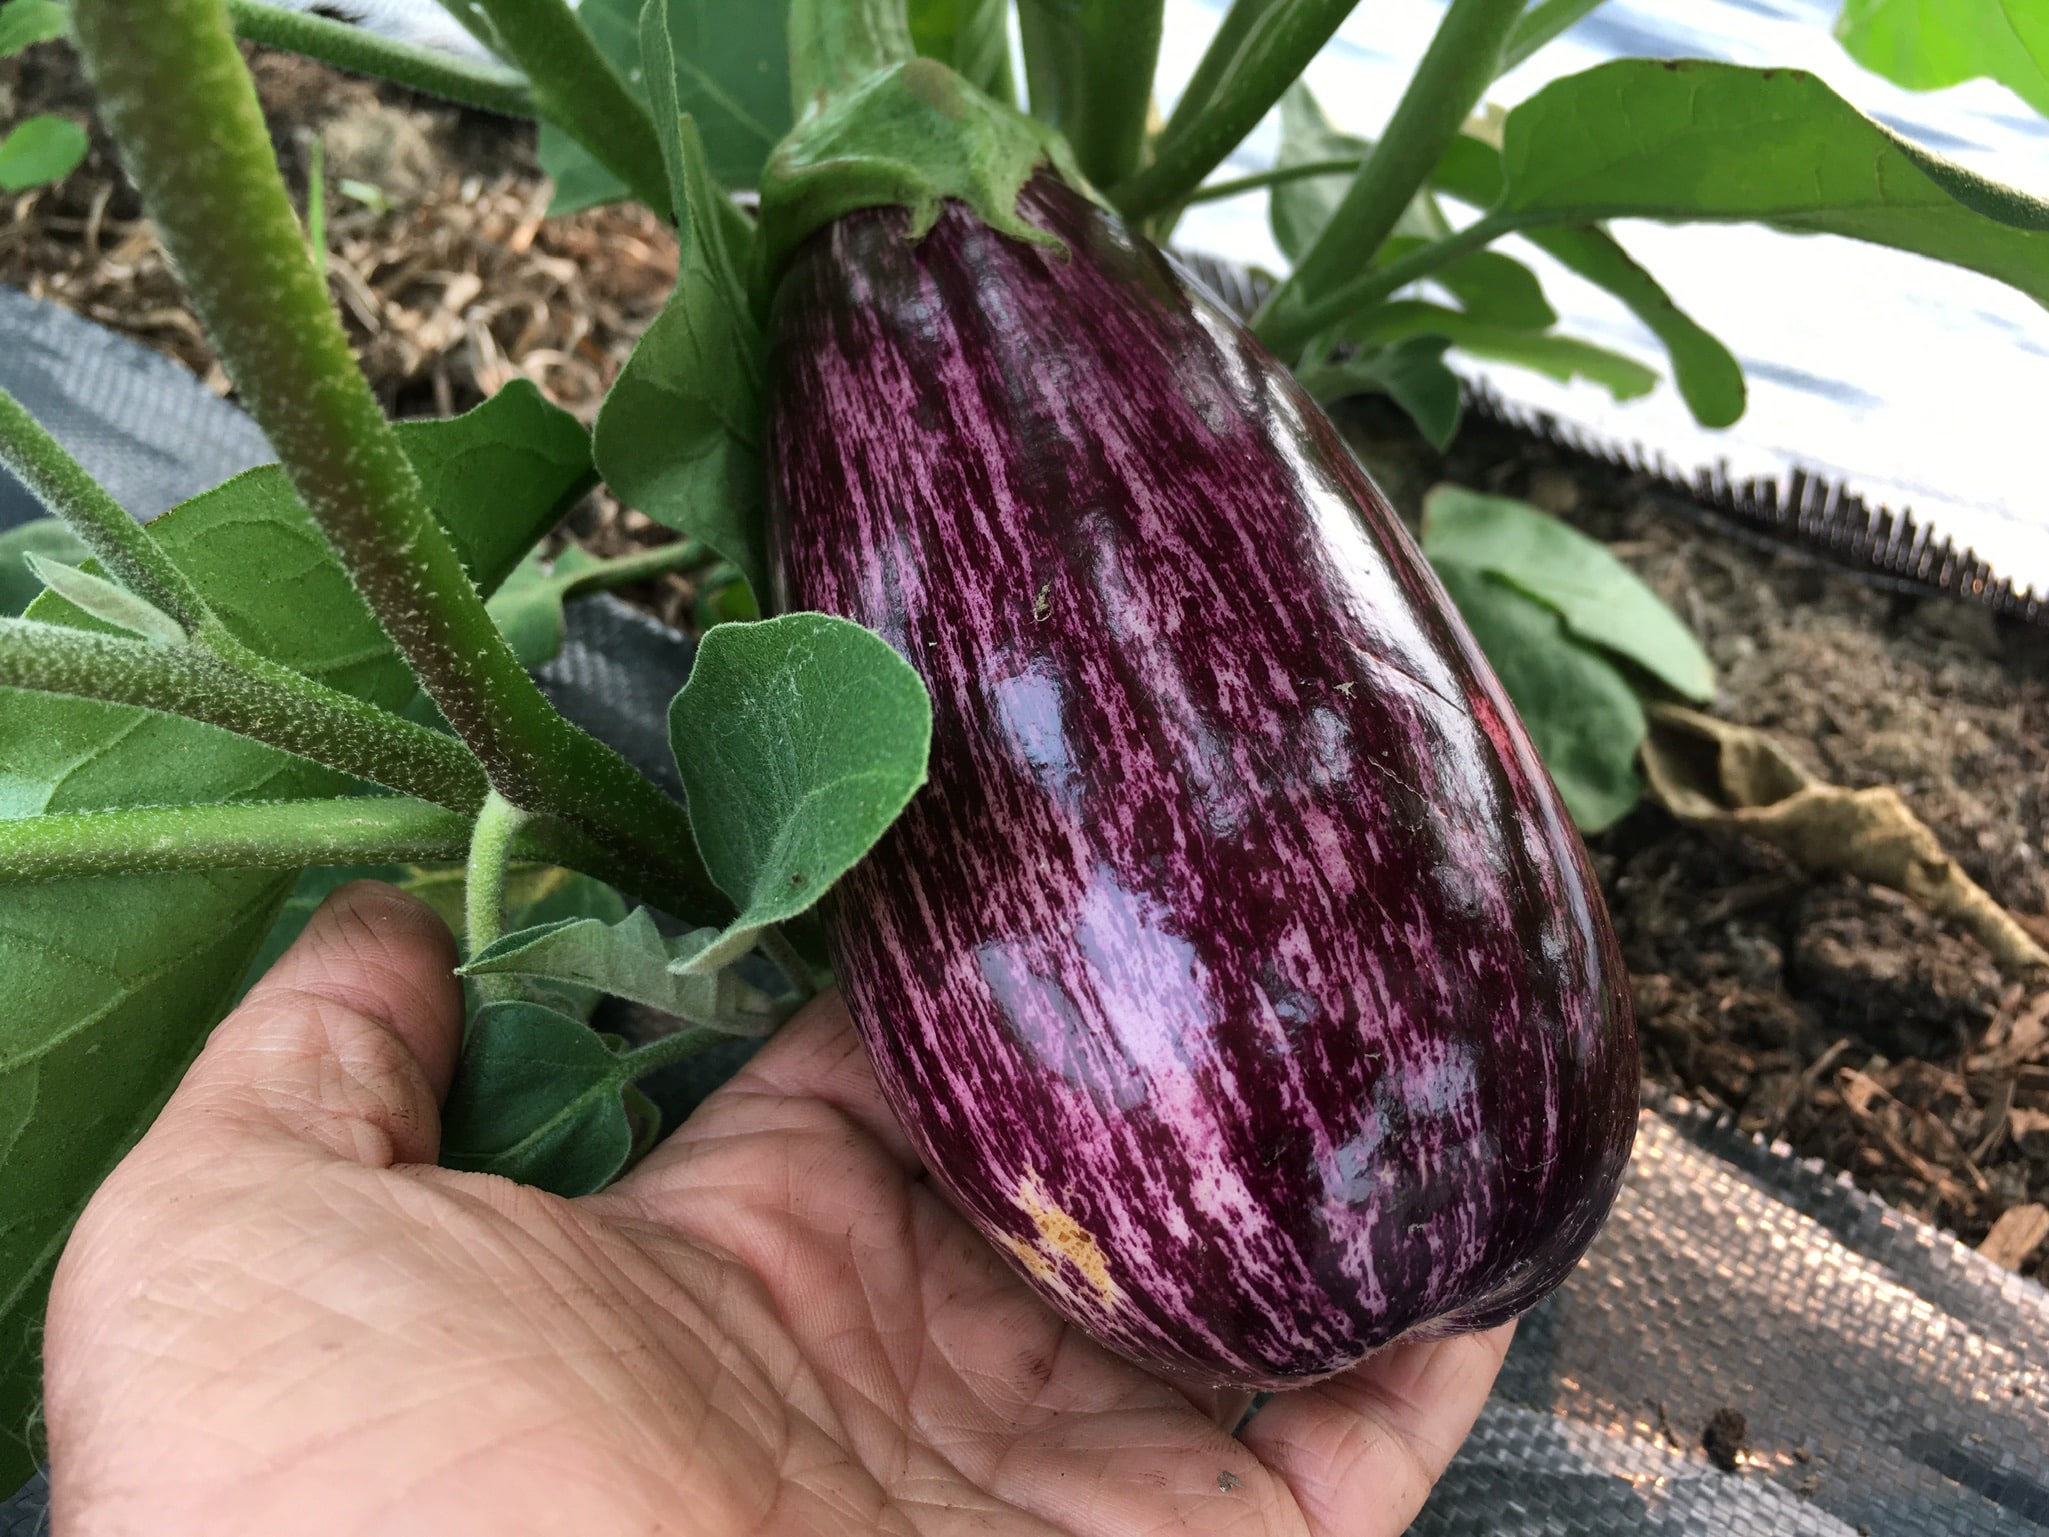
[580,180]
[1710,379]
[1489,286]
[1298,210]
[1411,372]
[528,608]
[1925,45]
[40,150]
[24,23]
[679,436]
[501,475]
[800,739]
[108,986]
[1686,139]
[1561,357]
[727,66]
[633,960]
[1582,715]
[534,894]
[538,1097]
[1544,20]
[970,36]
[108,602]
[1499,290]
[724,597]
[1600,599]
[51,537]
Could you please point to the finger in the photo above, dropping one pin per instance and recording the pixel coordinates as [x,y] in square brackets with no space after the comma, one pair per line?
[347,1044]
[1361,1451]
[816,1060]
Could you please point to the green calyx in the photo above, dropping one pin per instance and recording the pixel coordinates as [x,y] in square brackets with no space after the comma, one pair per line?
[911,135]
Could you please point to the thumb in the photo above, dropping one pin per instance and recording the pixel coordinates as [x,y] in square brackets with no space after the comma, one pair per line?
[346,1045]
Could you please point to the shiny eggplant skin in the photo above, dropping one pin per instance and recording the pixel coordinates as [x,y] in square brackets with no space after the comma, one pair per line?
[1238,972]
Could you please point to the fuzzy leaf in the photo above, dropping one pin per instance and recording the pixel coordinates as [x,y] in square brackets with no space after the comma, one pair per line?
[1710,379]
[51,537]
[726,66]
[1499,290]
[633,960]
[580,180]
[108,602]
[1600,599]
[108,986]
[500,476]
[528,608]
[40,150]
[800,739]
[1561,357]
[1689,139]
[1298,210]
[534,894]
[538,1097]
[24,23]
[1925,45]
[1411,372]
[679,436]
[1582,715]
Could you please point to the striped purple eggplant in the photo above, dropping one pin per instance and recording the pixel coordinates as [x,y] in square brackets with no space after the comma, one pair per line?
[1238,973]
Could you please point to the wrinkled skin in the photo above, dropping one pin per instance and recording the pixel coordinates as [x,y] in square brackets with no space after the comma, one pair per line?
[278,1318]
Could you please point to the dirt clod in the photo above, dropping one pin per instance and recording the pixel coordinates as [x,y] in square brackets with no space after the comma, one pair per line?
[1724,1437]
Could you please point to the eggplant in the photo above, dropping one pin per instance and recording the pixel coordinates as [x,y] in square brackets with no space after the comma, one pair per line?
[1238,973]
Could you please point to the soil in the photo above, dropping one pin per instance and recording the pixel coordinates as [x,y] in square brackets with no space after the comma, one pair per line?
[1724,1437]
[1835,1017]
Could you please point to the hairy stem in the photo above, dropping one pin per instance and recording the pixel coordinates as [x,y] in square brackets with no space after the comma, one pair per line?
[245,835]
[316,204]
[483,902]
[129,551]
[1090,67]
[180,102]
[775,944]
[835,44]
[643,566]
[494,88]
[576,88]
[668,1049]
[276,707]
[1264,46]
[1456,68]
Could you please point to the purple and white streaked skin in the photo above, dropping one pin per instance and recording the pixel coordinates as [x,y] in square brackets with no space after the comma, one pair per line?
[1238,973]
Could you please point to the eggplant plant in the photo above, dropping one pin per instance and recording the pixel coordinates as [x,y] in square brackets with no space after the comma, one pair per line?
[43,148]
[1212,923]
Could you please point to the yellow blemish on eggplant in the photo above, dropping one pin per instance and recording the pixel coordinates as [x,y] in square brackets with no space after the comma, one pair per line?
[1060,1238]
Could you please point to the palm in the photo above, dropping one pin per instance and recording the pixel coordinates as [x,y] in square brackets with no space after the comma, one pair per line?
[774,1325]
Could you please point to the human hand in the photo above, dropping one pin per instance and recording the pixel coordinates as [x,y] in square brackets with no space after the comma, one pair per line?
[279,1318]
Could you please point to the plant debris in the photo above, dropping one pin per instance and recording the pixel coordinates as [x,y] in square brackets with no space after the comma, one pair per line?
[1713,773]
